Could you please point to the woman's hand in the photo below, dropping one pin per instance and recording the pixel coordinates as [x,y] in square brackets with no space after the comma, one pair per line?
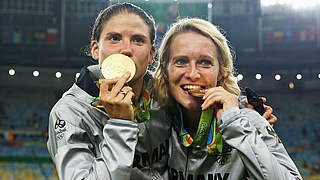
[117,98]
[220,98]
[271,118]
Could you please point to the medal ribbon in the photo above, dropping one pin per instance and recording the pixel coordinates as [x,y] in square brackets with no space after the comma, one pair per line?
[207,124]
[142,114]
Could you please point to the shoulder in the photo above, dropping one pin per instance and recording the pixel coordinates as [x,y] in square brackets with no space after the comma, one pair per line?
[254,117]
[70,107]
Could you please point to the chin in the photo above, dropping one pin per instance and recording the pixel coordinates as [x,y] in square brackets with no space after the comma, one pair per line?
[190,105]
[194,108]
[188,102]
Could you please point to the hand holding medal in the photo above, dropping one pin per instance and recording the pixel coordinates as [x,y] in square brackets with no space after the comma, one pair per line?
[115,96]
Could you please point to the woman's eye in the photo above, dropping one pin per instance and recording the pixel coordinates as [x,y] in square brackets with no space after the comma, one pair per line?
[138,40]
[114,38]
[205,63]
[181,62]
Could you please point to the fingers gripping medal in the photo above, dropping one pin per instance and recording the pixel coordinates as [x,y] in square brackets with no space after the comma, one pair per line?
[117,65]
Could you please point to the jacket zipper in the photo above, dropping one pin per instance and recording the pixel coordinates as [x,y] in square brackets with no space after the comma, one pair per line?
[186,166]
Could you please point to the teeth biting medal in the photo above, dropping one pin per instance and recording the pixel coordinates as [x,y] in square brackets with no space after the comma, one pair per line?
[116,65]
[197,92]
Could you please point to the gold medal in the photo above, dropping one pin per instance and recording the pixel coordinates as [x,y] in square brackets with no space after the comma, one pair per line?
[197,92]
[117,65]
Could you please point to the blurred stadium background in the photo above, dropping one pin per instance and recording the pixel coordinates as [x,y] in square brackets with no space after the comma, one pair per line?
[277,46]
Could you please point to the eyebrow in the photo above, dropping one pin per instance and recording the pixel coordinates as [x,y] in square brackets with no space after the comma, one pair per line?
[179,56]
[201,57]
[112,33]
[145,38]
[134,35]
[207,57]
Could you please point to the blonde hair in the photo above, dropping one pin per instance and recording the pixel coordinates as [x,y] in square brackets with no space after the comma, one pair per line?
[228,81]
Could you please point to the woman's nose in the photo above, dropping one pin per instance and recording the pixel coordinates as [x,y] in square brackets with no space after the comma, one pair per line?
[193,72]
[126,48]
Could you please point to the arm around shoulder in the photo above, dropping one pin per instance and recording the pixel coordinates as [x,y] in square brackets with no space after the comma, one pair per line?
[262,153]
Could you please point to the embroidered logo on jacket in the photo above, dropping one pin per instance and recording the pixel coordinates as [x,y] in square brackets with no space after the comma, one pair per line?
[60,133]
[60,124]
[60,128]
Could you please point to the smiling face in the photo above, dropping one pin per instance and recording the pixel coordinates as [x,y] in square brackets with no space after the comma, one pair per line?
[193,64]
[125,33]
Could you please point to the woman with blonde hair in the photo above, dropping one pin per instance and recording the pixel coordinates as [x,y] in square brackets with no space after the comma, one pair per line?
[212,138]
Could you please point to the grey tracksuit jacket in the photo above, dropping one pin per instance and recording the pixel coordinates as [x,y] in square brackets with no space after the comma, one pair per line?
[85,143]
[251,150]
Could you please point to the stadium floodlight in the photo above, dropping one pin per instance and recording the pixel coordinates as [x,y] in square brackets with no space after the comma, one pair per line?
[36,73]
[277,77]
[319,75]
[295,4]
[58,74]
[258,76]
[299,76]
[239,77]
[12,72]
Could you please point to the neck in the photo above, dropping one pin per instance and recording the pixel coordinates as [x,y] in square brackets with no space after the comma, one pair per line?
[191,120]
[137,88]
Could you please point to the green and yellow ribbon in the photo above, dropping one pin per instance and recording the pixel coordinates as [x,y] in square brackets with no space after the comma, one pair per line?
[207,125]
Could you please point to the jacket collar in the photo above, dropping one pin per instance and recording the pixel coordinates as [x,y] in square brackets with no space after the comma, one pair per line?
[89,75]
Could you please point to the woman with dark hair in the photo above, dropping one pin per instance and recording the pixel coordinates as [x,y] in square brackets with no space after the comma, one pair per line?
[93,129]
